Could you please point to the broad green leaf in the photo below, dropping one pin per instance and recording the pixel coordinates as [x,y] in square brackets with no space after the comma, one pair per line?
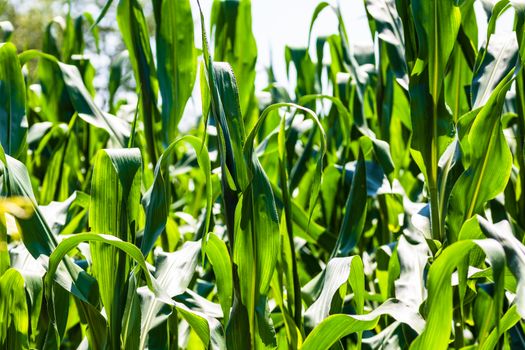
[155,313]
[515,256]
[38,237]
[81,99]
[490,162]
[114,209]
[130,251]
[456,84]
[355,212]
[41,242]
[305,69]
[390,30]
[217,253]
[134,31]
[437,24]
[156,199]
[225,110]
[231,22]
[508,320]
[498,60]
[33,274]
[439,304]
[317,177]
[263,213]
[73,241]
[335,327]
[175,270]
[410,287]
[335,278]
[177,62]
[13,120]
[14,326]
[256,247]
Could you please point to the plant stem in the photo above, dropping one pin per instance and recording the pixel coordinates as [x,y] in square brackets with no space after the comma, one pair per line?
[297,305]
[435,222]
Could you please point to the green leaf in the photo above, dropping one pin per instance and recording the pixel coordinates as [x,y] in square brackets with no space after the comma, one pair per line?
[13,120]
[437,24]
[130,251]
[40,241]
[217,253]
[515,253]
[231,22]
[33,275]
[336,327]
[355,212]
[335,278]
[439,303]
[134,31]
[509,319]
[114,209]
[490,162]
[498,60]
[82,101]
[390,30]
[175,270]
[177,62]
[225,109]
[156,201]
[13,308]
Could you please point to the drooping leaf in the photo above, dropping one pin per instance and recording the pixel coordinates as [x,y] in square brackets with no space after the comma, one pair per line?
[336,327]
[81,99]
[490,161]
[390,30]
[335,279]
[439,303]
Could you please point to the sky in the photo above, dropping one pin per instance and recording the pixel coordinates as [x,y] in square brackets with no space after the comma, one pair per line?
[277,23]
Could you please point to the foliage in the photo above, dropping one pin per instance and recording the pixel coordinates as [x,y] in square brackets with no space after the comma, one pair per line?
[380,204]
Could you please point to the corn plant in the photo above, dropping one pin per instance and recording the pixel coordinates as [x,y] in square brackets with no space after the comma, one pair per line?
[378,204]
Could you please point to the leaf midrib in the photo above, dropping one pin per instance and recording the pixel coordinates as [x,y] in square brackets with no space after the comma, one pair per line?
[479,178]
[493,72]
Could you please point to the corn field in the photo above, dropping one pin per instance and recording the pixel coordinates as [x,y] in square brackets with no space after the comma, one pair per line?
[378,203]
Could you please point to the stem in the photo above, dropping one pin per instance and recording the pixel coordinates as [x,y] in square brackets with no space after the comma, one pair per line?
[383,214]
[296,300]
[459,342]
[435,222]
[443,192]
[520,144]
[4,253]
